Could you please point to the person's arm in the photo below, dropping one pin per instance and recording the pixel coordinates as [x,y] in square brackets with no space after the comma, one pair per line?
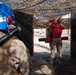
[48,31]
[62,27]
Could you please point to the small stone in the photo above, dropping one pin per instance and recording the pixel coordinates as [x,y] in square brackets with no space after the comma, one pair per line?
[45,69]
[38,71]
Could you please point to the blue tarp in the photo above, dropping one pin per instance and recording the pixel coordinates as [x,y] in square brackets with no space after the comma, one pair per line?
[6,8]
[5,11]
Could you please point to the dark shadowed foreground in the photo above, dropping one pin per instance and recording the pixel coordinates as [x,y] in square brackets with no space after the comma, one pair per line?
[42,66]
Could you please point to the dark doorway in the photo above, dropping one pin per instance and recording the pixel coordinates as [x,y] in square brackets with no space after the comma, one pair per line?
[73,35]
[25,21]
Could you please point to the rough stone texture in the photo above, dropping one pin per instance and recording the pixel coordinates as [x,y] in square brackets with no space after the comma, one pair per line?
[13,57]
[45,69]
[5,61]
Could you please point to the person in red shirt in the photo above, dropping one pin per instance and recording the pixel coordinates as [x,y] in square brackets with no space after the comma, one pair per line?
[49,33]
[56,39]
[48,29]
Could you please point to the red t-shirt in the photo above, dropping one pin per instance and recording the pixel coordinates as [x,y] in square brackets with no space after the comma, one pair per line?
[57,30]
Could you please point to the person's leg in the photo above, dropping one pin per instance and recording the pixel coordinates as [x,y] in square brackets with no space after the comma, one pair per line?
[53,48]
[59,49]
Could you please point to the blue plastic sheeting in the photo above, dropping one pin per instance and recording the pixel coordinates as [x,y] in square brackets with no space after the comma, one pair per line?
[5,11]
[6,8]
[3,21]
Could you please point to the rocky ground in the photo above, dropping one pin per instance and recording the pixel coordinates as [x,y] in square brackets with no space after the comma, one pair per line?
[41,64]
